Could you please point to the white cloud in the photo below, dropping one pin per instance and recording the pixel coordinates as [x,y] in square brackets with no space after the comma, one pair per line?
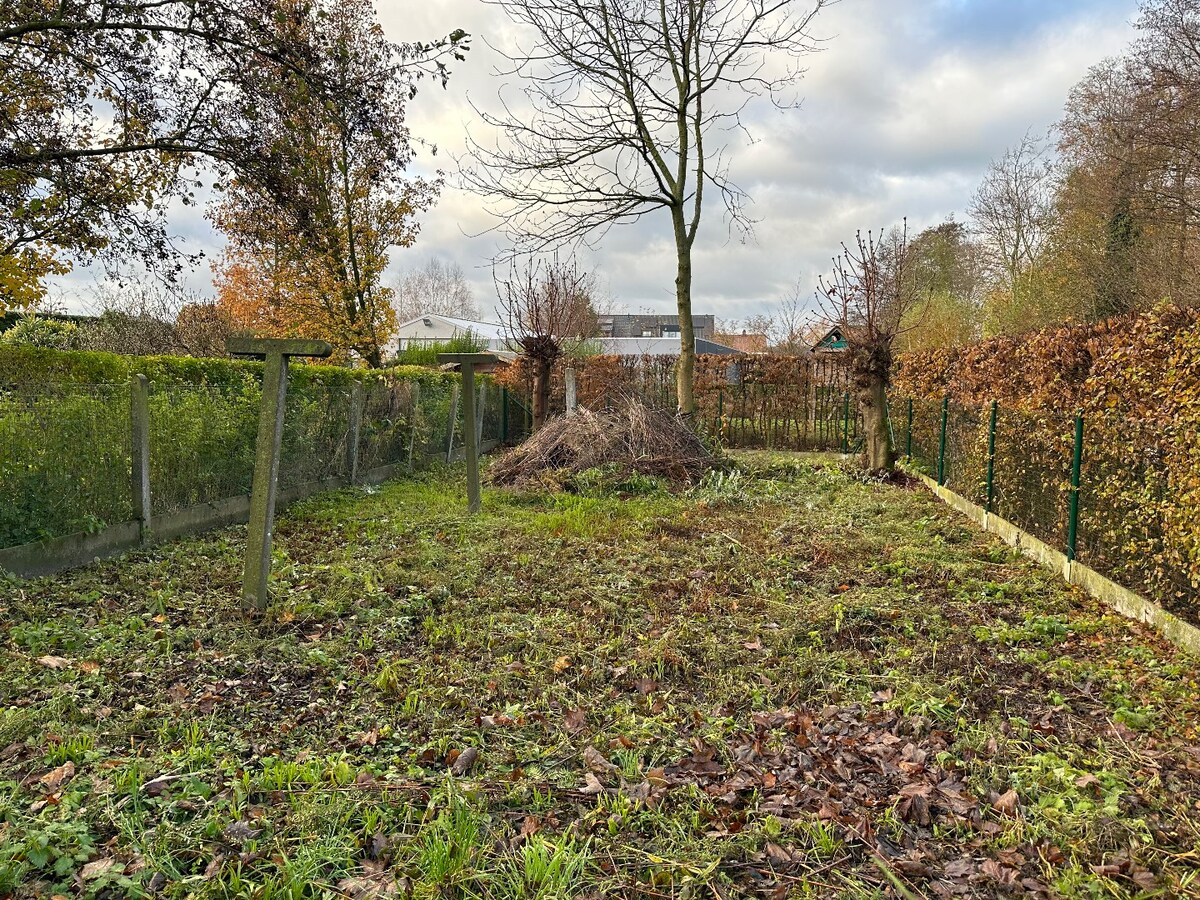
[902,113]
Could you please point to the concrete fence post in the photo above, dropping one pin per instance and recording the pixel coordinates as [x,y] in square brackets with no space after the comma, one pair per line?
[354,435]
[139,421]
[414,417]
[479,412]
[572,398]
[470,437]
[275,354]
[451,422]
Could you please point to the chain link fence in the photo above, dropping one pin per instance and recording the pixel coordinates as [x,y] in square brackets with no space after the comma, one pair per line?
[66,451]
[64,460]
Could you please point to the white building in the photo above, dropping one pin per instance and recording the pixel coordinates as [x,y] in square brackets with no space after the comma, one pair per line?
[655,346]
[434,329]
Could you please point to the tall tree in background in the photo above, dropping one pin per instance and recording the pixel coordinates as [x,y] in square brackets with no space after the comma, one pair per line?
[545,306]
[946,281]
[1012,214]
[438,288]
[868,297]
[632,102]
[311,258]
[113,108]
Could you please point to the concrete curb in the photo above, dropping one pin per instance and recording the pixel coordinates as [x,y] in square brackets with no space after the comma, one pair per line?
[1121,599]
[81,549]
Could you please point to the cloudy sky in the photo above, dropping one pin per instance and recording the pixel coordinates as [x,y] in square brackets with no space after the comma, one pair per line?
[902,111]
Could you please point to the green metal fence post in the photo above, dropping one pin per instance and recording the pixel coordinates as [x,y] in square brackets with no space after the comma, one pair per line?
[846,423]
[991,465]
[504,415]
[908,443]
[1076,470]
[942,442]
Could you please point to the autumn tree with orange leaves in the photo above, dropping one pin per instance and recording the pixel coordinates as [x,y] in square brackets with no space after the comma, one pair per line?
[307,261]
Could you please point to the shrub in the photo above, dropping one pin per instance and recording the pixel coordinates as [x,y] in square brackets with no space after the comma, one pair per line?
[34,331]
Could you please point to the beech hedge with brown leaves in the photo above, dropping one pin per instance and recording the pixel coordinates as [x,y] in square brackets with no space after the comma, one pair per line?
[1136,380]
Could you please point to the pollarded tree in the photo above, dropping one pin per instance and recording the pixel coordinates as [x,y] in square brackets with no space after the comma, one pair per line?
[544,306]
[869,297]
[632,102]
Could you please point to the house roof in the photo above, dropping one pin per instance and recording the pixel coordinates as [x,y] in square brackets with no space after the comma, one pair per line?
[479,329]
[833,340]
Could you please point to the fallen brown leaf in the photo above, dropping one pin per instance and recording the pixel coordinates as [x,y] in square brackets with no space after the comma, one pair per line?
[56,778]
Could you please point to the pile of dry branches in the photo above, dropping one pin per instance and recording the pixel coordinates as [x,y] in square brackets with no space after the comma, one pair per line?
[631,439]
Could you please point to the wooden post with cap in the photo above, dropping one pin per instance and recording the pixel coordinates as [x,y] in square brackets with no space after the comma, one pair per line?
[468,364]
[275,353]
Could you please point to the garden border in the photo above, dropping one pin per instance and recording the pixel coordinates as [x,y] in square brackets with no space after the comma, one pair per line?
[73,551]
[1122,599]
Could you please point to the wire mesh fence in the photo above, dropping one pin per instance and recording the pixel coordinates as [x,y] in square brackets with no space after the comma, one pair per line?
[1068,482]
[66,451]
[751,402]
[201,443]
[64,460]
[316,435]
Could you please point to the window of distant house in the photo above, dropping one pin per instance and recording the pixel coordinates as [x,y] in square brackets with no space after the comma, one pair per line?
[428,323]
[670,332]
[647,333]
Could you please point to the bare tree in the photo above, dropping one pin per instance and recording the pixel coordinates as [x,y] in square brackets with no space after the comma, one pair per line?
[867,299]
[149,319]
[544,306]
[793,322]
[1013,210]
[437,288]
[632,103]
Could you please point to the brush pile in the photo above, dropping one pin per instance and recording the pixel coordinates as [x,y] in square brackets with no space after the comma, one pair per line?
[632,439]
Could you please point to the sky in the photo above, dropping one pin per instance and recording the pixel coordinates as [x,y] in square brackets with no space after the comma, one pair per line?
[903,109]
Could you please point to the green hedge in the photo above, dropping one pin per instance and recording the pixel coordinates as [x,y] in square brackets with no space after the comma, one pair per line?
[22,366]
[65,455]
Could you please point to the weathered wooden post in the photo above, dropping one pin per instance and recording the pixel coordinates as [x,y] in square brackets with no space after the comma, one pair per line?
[275,353]
[572,401]
[468,363]
[139,419]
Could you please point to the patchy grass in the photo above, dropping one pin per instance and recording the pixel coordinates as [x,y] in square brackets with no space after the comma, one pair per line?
[786,682]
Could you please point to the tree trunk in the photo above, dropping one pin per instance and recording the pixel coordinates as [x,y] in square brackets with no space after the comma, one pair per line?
[878,454]
[685,370]
[541,392]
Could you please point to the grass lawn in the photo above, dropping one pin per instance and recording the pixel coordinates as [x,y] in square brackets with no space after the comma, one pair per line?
[785,683]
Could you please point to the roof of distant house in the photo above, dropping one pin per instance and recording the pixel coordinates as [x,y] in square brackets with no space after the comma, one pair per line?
[479,329]
[747,343]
